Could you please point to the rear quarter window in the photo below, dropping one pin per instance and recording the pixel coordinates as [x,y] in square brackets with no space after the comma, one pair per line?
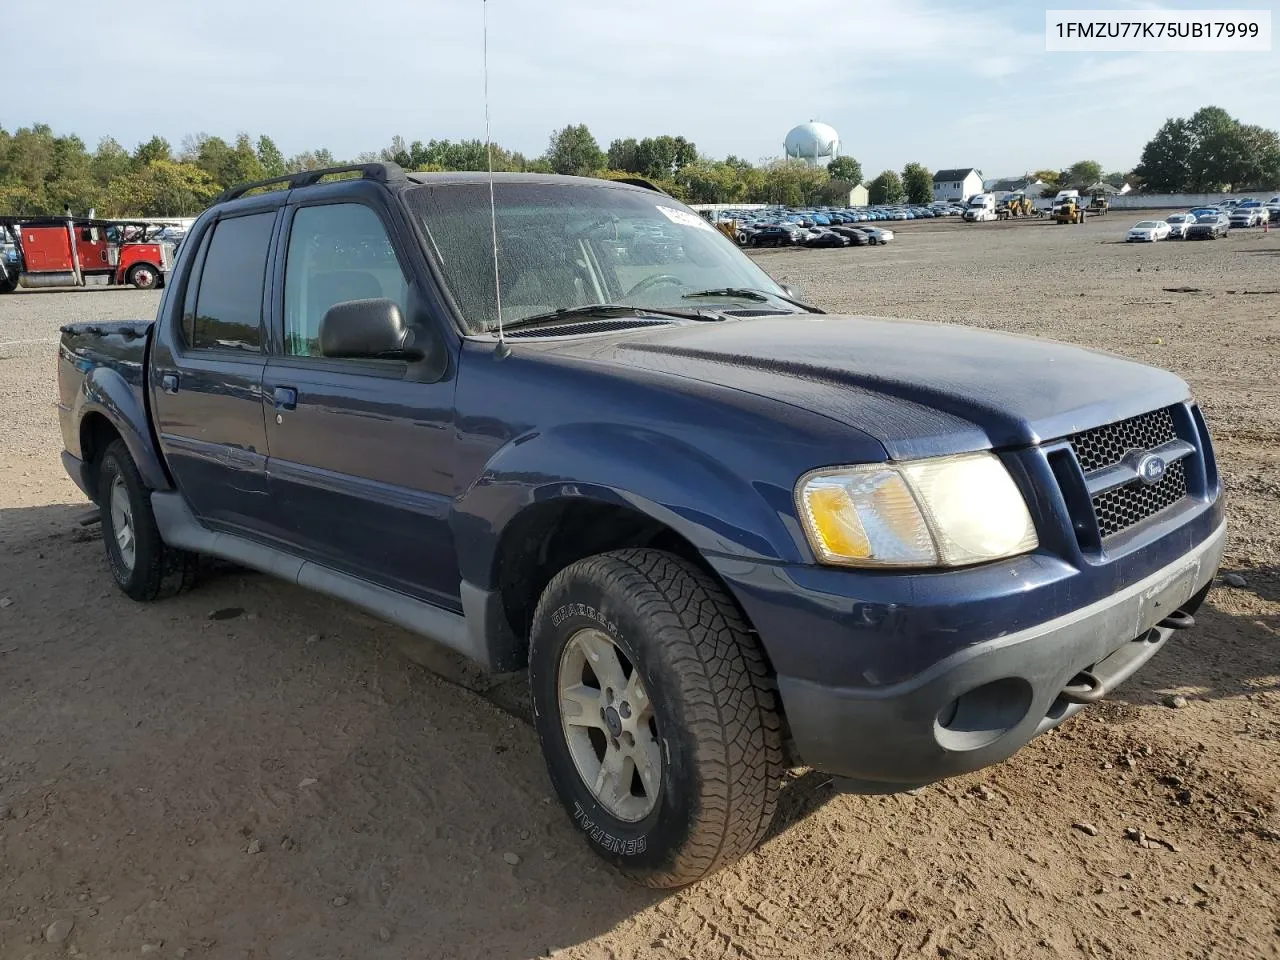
[228,303]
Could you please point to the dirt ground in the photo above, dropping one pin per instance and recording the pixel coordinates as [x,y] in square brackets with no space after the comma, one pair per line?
[291,781]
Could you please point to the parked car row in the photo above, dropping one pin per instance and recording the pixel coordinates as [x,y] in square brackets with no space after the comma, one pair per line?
[1207,223]
[790,234]
[825,227]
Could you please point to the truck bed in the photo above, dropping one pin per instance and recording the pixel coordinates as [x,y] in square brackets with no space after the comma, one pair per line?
[119,344]
[102,366]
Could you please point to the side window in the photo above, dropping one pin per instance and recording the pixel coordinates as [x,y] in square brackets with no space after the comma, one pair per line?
[228,308]
[337,252]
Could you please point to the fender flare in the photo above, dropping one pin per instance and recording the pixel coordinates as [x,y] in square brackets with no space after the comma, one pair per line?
[655,474]
[105,391]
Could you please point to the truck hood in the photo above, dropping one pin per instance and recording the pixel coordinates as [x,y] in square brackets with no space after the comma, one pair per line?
[920,388]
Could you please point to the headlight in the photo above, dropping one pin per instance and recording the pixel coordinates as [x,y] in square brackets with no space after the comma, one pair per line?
[945,512]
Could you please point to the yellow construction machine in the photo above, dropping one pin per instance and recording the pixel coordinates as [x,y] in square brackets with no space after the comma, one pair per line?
[729,228]
[1069,211]
[1017,205]
[1099,204]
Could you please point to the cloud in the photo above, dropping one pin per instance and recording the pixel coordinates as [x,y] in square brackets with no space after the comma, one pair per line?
[732,75]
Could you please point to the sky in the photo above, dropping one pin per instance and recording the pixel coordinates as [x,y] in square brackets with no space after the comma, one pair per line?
[947,83]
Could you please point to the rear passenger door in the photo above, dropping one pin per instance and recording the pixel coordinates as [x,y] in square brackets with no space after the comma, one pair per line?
[360,449]
[206,376]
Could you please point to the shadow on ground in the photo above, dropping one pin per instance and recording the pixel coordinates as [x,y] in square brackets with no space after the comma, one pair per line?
[277,780]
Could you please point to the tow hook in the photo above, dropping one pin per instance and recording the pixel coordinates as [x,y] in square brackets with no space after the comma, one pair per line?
[1087,687]
[1084,687]
[1178,620]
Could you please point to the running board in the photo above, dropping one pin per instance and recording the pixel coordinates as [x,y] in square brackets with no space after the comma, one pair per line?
[179,528]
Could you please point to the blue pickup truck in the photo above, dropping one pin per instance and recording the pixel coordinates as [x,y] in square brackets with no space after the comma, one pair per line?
[578,432]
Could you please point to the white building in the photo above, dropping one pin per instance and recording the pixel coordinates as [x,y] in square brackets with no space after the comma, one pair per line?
[958,184]
[1031,186]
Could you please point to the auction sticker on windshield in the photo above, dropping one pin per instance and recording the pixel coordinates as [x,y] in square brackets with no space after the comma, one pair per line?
[684,218]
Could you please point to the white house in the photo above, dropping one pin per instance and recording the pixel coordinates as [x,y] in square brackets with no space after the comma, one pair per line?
[957,184]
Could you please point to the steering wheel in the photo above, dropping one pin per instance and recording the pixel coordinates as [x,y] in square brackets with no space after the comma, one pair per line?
[657,280]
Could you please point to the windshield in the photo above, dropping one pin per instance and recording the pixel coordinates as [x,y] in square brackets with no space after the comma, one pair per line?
[1146,225]
[566,245]
[1207,218]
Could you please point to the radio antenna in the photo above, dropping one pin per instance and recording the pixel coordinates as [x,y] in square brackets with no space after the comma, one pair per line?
[503,350]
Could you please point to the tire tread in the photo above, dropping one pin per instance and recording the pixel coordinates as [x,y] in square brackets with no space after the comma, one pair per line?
[164,571]
[728,699]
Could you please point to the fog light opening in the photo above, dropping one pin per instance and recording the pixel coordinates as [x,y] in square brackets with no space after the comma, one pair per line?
[983,715]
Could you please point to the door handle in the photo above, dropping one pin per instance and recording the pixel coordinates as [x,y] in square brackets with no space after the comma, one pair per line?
[285,398]
[169,383]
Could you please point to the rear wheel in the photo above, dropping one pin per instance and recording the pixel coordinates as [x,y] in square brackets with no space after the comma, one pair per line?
[143,565]
[143,276]
[8,284]
[656,714]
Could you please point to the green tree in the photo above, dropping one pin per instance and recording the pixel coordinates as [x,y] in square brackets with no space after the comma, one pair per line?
[29,156]
[1207,152]
[791,182]
[1115,178]
[574,151]
[1082,173]
[886,188]
[657,158]
[1261,169]
[110,161]
[623,155]
[269,157]
[917,183]
[846,169]
[243,166]
[1216,157]
[709,181]
[157,148]
[162,188]
[310,160]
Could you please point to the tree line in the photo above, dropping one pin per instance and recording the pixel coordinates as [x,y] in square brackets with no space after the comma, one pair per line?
[1208,152]
[42,172]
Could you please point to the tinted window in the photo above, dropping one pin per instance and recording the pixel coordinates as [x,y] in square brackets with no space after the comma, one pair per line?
[337,252]
[228,312]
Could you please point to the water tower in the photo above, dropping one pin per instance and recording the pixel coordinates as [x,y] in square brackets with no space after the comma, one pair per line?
[813,141]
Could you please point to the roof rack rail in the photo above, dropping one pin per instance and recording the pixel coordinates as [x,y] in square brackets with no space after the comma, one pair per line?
[379,172]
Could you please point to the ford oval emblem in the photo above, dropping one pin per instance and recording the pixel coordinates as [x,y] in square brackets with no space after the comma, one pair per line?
[1151,468]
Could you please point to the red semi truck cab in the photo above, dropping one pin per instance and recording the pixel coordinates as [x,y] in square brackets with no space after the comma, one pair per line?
[61,252]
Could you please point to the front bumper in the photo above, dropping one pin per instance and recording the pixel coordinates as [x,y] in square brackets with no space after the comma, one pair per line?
[985,700]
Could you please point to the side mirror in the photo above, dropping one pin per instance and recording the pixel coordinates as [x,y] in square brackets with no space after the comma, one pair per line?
[370,329]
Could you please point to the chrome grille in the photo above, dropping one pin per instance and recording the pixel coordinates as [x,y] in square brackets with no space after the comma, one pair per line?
[1123,507]
[1107,445]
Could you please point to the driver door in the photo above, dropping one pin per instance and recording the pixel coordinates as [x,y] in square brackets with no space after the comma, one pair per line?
[361,450]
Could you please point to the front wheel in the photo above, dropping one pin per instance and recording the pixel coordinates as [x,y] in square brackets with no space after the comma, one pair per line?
[656,713]
[143,276]
[143,565]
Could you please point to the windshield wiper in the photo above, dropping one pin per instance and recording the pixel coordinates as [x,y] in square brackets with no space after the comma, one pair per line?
[751,293]
[601,310]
